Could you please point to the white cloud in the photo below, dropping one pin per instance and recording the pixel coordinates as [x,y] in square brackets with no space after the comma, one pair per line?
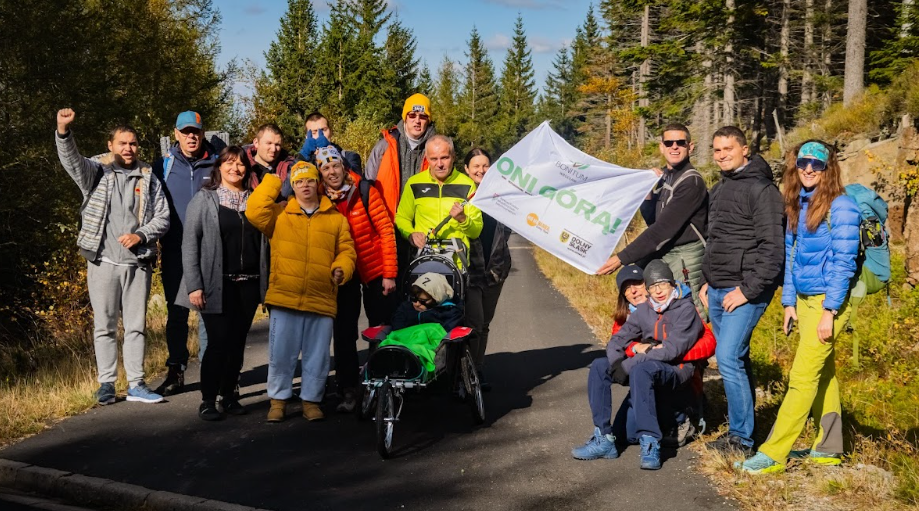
[540,44]
[529,4]
[498,42]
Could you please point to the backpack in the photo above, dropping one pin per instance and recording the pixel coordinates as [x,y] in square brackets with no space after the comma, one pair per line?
[874,251]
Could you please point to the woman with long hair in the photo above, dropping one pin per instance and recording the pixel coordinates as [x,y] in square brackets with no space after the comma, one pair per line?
[821,246]
[489,267]
[222,271]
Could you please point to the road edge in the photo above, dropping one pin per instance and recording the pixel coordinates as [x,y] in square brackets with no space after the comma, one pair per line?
[85,490]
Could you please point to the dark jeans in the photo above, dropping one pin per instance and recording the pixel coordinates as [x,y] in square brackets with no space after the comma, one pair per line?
[176,315]
[480,310]
[651,385]
[379,311]
[228,330]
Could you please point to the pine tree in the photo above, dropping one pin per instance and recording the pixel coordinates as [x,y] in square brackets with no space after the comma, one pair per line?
[366,84]
[560,95]
[333,70]
[444,99]
[517,91]
[424,84]
[401,69]
[479,99]
[291,60]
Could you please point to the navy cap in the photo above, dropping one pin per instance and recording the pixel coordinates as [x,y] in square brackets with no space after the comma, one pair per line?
[627,273]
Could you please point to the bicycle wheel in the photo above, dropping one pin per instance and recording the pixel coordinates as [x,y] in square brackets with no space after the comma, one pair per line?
[385,419]
[473,387]
[368,396]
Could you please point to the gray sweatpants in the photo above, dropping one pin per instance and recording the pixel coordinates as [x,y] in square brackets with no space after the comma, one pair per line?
[690,255]
[117,289]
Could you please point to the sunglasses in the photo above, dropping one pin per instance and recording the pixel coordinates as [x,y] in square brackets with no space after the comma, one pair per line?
[817,165]
[426,302]
[681,142]
[414,115]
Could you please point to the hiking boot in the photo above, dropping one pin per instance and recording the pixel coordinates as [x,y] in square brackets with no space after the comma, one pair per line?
[729,445]
[598,446]
[208,411]
[349,402]
[650,453]
[174,382]
[142,394]
[821,458]
[681,434]
[106,394]
[760,464]
[276,412]
[312,412]
[232,406]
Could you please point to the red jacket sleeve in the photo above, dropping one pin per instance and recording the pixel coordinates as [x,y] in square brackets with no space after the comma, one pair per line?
[382,224]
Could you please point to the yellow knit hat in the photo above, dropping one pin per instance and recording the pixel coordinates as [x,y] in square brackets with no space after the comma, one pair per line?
[417,103]
[303,170]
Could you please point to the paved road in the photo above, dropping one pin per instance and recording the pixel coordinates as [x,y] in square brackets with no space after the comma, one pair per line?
[518,460]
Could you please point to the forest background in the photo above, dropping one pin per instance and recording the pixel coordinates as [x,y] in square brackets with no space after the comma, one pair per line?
[782,70]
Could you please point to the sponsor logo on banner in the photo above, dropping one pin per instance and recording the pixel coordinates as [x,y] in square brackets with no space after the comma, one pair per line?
[575,243]
[571,171]
[533,221]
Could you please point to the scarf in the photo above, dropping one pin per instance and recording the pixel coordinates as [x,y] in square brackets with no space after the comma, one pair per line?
[233,200]
[661,307]
[340,194]
[410,159]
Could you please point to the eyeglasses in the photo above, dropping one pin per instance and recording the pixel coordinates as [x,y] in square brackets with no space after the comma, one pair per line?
[191,133]
[413,115]
[660,286]
[817,165]
[681,142]
[427,302]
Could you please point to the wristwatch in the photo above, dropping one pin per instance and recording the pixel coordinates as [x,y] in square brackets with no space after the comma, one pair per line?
[833,311]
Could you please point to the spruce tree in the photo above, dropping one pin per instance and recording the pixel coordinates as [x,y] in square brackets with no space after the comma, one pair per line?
[366,81]
[479,99]
[517,91]
[291,62]
[560,95]
[401,65]
[424,84]
[334,69]
[444,98]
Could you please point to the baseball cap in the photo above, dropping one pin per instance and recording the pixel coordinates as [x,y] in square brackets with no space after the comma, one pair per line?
[627,273]
[189,119]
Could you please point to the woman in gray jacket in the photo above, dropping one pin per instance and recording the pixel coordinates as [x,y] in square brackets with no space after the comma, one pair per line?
[222,266]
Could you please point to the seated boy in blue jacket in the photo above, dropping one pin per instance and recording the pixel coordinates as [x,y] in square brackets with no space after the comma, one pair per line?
[431,301]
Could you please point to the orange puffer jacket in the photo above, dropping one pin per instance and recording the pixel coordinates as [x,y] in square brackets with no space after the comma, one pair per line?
[373,234]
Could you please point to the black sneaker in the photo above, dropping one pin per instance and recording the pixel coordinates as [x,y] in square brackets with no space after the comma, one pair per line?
[174,382]
[208,411]
[232,406]
[106,394]
[730,445]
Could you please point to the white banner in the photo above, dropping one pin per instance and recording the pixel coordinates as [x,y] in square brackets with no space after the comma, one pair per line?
[569,203]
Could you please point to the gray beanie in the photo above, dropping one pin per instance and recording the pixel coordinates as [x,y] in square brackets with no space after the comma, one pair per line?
[657,271]
[435,285]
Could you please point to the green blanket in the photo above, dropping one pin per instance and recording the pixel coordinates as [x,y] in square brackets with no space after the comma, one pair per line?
[422,340]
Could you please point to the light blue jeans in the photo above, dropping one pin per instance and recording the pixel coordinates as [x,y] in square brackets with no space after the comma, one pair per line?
[733,331]
[291,333]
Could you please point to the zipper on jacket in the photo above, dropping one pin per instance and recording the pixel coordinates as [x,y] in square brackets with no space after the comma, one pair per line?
[242,236]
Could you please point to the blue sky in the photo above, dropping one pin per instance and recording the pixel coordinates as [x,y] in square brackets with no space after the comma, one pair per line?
[440,27]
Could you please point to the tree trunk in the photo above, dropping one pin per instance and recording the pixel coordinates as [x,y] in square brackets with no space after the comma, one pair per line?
[643,72]
[826,44]
[854,82]
[729,107]
[784,43]
[807,79]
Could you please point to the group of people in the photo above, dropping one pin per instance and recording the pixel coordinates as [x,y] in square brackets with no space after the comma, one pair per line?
[724,251]
[313,236]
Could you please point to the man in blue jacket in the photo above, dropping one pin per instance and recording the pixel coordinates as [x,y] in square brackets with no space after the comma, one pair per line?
[183,171]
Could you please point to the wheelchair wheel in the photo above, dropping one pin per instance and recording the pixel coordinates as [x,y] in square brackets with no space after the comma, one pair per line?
[385,419]
[368,396]
[473,387]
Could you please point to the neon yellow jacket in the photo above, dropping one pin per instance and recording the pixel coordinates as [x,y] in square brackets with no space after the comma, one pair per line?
[425,203]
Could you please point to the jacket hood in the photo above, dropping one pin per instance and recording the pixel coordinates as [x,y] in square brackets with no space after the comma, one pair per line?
[428,132]
[756,168]
[293,207]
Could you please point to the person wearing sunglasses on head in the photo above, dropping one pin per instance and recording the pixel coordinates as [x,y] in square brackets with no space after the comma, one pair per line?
[742,268]
[431,301]
[821,247]
[676,213]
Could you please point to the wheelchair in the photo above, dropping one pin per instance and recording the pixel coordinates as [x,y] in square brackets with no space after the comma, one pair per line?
[392,371]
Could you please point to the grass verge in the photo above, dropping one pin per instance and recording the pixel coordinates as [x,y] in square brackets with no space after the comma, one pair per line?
[880,400]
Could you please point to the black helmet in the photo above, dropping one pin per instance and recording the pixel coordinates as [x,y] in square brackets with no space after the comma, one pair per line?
[657,271]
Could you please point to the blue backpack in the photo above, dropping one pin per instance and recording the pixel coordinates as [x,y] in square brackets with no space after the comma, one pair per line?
[874,251]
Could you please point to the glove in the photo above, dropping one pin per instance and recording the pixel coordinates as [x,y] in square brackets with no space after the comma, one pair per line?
[308,151]
[321,141]
[618,374]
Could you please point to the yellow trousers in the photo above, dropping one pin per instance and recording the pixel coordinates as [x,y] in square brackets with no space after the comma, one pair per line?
[812,387]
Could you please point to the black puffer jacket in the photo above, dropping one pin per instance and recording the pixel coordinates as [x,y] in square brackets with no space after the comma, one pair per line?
[499,259]
[745,231]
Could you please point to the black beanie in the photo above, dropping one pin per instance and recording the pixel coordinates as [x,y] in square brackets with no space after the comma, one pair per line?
[657,271]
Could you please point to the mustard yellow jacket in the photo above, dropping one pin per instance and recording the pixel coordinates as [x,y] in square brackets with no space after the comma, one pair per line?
[304,250]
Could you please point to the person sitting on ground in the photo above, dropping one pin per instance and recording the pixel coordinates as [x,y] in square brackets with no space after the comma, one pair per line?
[670,326]
[431,301]
[312,254]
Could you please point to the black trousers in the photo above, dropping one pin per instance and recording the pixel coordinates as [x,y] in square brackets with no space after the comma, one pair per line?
[379,311]
[176,315]
[227,333]
[480,310]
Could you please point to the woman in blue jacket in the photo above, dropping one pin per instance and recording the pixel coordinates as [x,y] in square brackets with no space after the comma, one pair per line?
[821,246]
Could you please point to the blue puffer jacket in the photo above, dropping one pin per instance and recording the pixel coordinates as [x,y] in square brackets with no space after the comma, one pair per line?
[824,261]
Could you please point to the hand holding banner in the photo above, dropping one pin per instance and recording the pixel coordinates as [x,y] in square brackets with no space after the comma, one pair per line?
[569,203]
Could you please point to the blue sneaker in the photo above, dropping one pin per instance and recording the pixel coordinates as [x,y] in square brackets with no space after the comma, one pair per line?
[760,464]
[143,394]
[106,394]
[599,446]
[650,453]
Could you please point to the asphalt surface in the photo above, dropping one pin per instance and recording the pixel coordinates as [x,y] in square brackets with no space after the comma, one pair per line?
[518,460]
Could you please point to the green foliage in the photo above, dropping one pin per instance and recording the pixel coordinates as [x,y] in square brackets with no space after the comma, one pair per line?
[517,91]
[560,96]
[478,100]
[425,84]
[445,98]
